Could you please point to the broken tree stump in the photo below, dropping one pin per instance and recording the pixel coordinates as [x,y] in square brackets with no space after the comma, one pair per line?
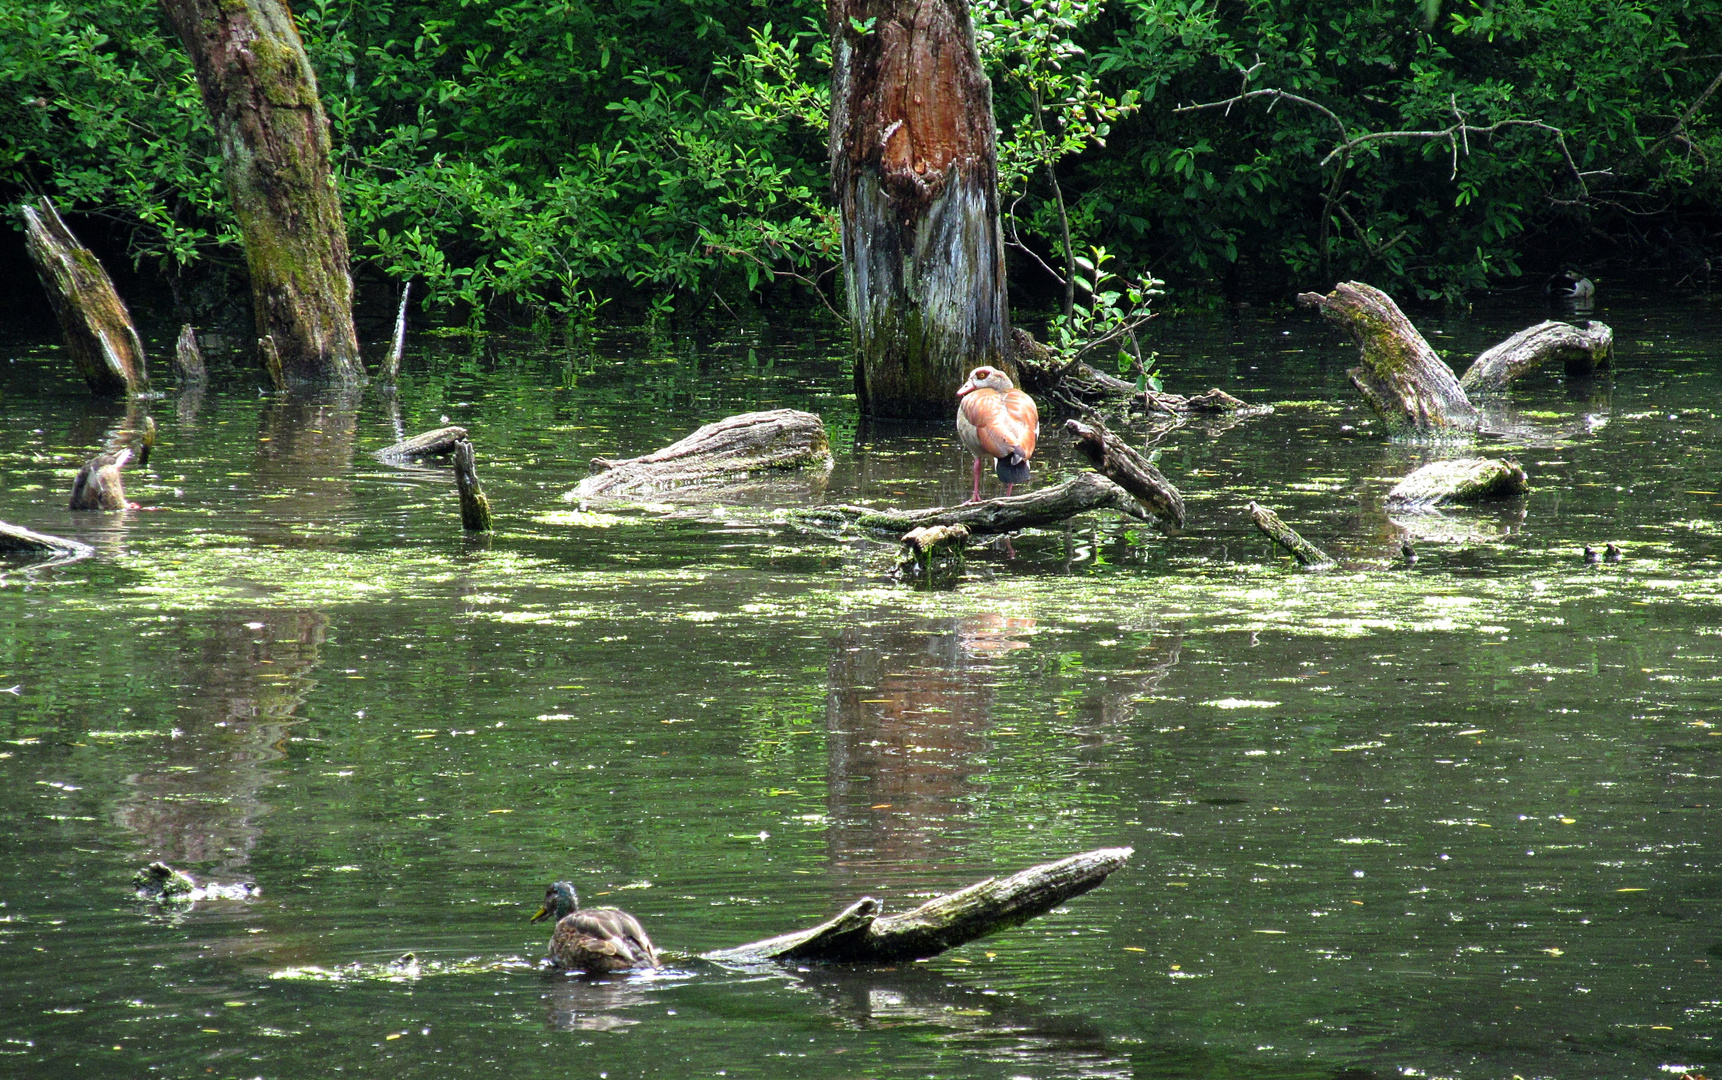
[1044,506]
[17,540]
[1119,462]
[93,319]
[1583,348]
[398,345]
[860,935]
[188,366]
[1459,480]
[1286,537]
[727,450]
[474,507]
[438,443]
[932,556]
[1412,389]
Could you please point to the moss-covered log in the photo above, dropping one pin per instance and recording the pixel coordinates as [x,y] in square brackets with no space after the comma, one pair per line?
[1119,462]
[474,507]
[991,517]
[1459,480]
[861,935]
[1583,348]
[268,118]
[1285,536]
[914,171]
[736,447]
[94,321]
[932,556]
[438,443]
[1412,389]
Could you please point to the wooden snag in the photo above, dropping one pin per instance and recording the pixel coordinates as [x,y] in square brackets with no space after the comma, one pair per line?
[188,365]
[1582,347]
[438,443]
[1043,506]
[1080,385]
[932,556]
[861,935]
[730,449]
[1286,537]
[17,540]
[474,507]
[1459,480]
[398,344]
[94,321]
[1412,389]
[1119,462]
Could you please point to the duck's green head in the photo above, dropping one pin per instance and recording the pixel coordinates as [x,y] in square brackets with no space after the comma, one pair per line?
[559,900]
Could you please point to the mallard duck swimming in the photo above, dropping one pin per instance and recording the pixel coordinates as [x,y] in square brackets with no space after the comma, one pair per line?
[1592,555]
[1611,553]
[1571,285]
[595,940]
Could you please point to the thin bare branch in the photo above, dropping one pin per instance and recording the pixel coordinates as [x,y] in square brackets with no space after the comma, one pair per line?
[1276,94]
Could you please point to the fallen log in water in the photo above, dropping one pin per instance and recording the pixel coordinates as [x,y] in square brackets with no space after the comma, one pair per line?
[438,443]
[17,540]
[1119,462]
[1285,536]
[721,452]
[1582,348]
[1459,480]
[860,935]
[474,507]
[1080,385]
[94,321]
[1045,506]
[932,556]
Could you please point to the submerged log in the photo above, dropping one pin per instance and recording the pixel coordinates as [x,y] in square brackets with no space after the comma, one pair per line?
[1582,348]
[860,935]
[1286,537]
[1044,506]
[1411,388]
[1120,463]
[188,366]
[261,92]
[94,322]
[437,443]
[1459,480]
[17,540]
[1079,384]
[932,556]
[474,507]
[914,170]
[725,451]
[98,485]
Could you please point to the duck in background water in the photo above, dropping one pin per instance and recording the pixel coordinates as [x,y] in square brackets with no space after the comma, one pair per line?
[593,940]
[996,420]
[1572,287]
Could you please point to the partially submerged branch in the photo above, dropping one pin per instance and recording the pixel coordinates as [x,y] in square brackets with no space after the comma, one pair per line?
[1043,506]
[1582,348]
[474,507]
[1119,462]
[860,935]
[1459,480]
[727,450]
[1286,537]
[932,556]
[438,443]
[1079,386]
[17,540]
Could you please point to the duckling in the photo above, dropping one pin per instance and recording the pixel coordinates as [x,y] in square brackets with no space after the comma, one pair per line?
[1591,556]
[594,940]
[1611,552]
[1571,285]
[1409,552]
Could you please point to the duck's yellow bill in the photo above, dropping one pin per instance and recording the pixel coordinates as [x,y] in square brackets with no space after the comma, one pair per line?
[543,911]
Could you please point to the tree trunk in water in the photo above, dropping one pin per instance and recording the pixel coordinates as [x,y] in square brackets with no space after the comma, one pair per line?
[914,169]
[262,97]
[93,319]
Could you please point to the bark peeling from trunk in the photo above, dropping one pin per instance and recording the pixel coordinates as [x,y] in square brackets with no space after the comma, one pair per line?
[914,168]
[263,100]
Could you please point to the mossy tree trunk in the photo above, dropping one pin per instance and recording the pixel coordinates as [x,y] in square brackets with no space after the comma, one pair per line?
[914,169]
[262,97]
[97,328]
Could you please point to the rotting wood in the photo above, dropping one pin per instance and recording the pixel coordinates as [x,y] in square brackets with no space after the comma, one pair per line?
[17,540]
[861,935]
[98,485]
[438,443]
[398,344]
[1043,506]
[263,102]
[1286,537]
[1120,463]
[474,507]
[1079,386]
[94,322]
[270,359]
[932,556]
[188,365]
[727,450]
[1412,389]
[1459,480]
[1582,347]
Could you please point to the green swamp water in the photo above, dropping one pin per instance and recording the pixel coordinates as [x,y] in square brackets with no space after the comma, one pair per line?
[1458,819]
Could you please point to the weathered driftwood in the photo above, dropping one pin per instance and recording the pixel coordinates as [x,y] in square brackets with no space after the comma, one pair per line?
[1120,463]
[1411,388]
[932,556]
[1459,480]
[438,443]
[94,322]
[1285,536]
[270,359]
[860,935]
[1078,385]
[98,485]
[722,452]
[188,366]
[17,540]
[1583,348]
[474,507]
[398,345]
[1044,506]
